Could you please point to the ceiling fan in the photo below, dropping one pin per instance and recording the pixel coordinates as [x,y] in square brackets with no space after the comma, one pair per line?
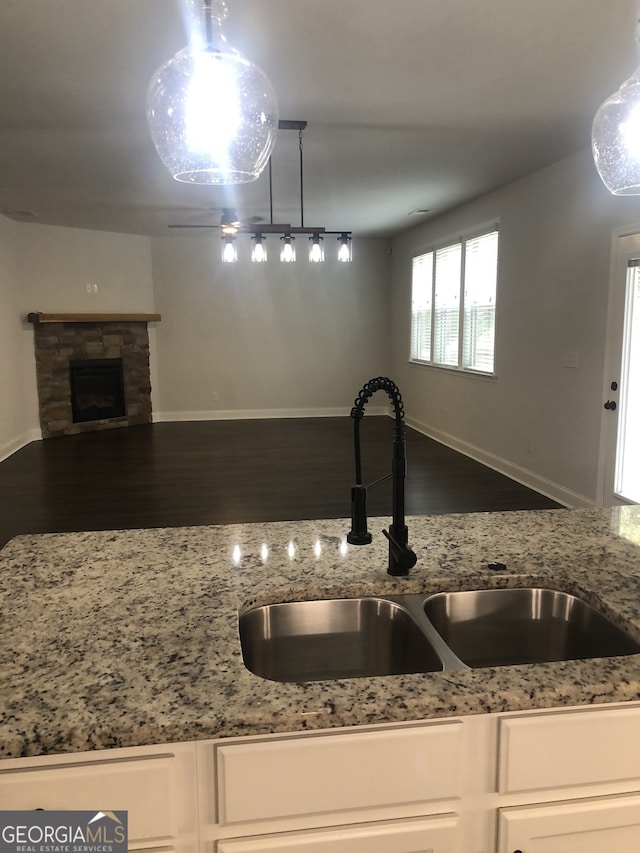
[230,223]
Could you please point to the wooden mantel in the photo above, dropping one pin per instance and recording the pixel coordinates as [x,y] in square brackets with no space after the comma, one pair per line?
[38,317]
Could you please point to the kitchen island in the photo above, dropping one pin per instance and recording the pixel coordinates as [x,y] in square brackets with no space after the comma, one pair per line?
[126,638]
[122,686]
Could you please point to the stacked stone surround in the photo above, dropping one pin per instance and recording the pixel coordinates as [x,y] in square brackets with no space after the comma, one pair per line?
[56,344]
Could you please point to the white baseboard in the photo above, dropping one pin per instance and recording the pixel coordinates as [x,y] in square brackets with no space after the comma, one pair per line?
[16,444]
[260,414]
[527,478]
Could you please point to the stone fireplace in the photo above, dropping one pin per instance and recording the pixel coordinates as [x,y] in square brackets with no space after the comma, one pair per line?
[92,371]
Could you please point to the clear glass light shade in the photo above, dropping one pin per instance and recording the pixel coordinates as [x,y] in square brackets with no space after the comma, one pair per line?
[288,250]
[259,251]
[229,250]
[344,249]
[316,249]
[212,114]
[615,138]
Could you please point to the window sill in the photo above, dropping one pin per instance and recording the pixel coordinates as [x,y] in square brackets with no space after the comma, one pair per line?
[455,371]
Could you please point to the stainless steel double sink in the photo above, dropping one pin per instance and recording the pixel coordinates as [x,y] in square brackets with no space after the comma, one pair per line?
[389,635]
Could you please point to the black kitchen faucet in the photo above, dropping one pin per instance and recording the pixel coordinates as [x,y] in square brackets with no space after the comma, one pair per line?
[401,557]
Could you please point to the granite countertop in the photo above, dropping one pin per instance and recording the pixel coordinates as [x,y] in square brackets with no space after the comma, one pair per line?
[124,638]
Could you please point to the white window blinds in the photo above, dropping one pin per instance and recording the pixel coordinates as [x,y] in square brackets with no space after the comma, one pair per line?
[446,325]
[453,304]
[421,302]
[480,278]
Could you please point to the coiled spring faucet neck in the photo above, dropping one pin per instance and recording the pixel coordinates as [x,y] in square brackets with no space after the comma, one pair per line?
[380,383]
[401,557]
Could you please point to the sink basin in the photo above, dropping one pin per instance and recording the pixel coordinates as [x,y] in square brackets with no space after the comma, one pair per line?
[334,638]
[500,627]
[390,635]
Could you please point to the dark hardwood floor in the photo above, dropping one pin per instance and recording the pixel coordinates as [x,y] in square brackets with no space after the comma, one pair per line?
[222,472]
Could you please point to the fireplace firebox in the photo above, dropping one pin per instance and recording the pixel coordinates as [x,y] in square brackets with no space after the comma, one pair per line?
[97,389]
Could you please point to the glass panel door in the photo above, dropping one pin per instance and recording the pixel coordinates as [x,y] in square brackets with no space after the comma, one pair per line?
[627,478]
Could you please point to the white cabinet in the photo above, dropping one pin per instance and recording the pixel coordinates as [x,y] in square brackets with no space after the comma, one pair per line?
[593,825]
[380,789]
[155,785]
[564,763]
[569,748]
[435,834]
[336,773]
[539,782]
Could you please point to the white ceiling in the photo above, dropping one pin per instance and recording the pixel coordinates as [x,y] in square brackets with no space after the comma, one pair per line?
[410,104]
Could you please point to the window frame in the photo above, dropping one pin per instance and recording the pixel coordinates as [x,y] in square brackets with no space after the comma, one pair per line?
[460,239]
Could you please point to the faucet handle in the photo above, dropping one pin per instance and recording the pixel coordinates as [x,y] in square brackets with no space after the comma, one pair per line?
[401,557]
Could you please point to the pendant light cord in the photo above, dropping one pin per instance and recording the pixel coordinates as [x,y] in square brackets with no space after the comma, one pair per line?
[270,193]
[301,181]
[208,26]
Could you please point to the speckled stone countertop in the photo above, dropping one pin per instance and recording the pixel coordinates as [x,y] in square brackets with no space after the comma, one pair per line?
[131,637]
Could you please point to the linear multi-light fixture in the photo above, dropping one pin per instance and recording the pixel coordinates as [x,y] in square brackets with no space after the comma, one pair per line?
[285,231]
[288,252]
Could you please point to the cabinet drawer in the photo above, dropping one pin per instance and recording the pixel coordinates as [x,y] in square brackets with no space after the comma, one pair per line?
[569,748]
[590,826]
[435,835]
[338,772]
[142,787]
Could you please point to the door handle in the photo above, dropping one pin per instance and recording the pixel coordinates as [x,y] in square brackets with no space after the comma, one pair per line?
[611,405]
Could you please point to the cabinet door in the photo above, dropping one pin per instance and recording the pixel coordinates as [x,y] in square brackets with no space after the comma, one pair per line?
[578,826]
[156,789]
[420,835]
[568,748]
[288,777]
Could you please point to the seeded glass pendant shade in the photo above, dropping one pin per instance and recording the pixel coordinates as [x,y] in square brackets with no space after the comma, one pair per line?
[615,138]
[213,115]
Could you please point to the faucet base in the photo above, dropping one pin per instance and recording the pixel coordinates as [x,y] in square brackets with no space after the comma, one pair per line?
[354,538]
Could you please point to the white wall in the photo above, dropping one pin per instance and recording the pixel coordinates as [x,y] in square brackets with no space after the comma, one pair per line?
[44,268]
[268,339]
[555,248]
[272,340]
[17,425]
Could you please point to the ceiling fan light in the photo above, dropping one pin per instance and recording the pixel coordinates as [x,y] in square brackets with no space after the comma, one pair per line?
[229,250]
[212,114]
[288,249]
[229,222]
[615,137]
[316,249]
[344,249]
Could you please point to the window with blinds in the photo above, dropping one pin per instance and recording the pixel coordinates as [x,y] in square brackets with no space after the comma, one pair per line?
[453,304]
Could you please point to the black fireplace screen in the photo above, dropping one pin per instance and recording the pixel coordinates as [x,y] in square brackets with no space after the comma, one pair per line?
[97,389]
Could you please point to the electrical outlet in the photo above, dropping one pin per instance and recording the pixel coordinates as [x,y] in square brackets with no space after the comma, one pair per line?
[215,396]
[530,447]
[92,288]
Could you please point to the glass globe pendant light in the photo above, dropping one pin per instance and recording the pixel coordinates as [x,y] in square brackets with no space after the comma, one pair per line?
[615,137]
[212,114]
